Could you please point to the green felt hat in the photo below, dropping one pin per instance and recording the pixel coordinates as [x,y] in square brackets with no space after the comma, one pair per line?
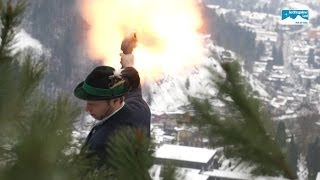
[101,84]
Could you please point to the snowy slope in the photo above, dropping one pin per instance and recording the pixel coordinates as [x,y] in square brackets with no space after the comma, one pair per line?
[170,94]
[256,85]
[24,41]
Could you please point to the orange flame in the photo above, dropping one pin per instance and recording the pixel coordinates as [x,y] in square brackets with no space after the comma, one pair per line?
[168,40]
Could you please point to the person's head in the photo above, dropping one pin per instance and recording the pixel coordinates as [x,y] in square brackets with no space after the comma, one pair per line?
[103,108]
[102,91]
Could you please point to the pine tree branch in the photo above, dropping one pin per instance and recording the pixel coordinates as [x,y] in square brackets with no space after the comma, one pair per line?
[10,18]
[244,129]
[130,154]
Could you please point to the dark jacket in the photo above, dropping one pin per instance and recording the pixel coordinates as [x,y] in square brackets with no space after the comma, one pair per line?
[135,113]
[134,98]
[139,108]
[99,136]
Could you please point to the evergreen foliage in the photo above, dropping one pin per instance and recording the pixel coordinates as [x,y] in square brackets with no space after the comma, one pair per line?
[169,172]
[35,130]
[187,84]
[269,66]
[10,18]
[313,158]
[229,35]
[293,155]
[244,129]
[136,155]
[260,50]
[274,52]
[311,61]
[307,130]
[281,135]
[316,21]
[277,56]
[280,60]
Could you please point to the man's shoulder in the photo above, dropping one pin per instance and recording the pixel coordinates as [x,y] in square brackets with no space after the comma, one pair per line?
[122,115]
[138,106]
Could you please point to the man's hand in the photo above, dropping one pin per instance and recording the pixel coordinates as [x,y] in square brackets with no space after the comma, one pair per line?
[127,60]
[129,43]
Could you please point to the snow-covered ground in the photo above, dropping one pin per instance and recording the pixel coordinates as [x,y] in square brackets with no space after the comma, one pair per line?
[169,95]
[23,41]
[302,168]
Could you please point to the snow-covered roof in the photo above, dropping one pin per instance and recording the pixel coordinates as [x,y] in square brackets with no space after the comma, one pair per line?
[277,67]
[287,116]
[167,137]
[289,111]
[290,98]
[299,94]
[259,66]
[278,101]
[179,128]
[228,174]
[223,10]
[185,153]
[262,35]
[268,178]
[248,25]
[260,63]
[279,76]
[157,131]
[238,175]
[318,176]
[266,58]
[300,64]
[316,71]
[185,173]
[313,90]
[253,15]
[191,174]
[211,6]
[304,76]
[258,70]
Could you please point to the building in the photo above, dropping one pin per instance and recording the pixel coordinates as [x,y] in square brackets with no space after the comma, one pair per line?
[157,173]
[318,176]
[230,175]
[186,157]
[226,175]
[313,33]
[262,35]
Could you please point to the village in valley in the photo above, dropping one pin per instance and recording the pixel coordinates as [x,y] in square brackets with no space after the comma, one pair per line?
[289,88]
